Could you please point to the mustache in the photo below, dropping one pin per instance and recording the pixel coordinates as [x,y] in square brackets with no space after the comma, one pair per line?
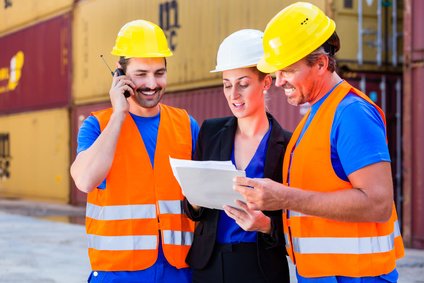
[142,89]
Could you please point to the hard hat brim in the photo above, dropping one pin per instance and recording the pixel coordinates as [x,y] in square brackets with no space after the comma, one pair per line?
[144,55]
[227,68]
[265,67]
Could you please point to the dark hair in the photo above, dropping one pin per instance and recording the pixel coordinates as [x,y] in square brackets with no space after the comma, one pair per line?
[124,62]
[332,45]
[328,48]
[261,75]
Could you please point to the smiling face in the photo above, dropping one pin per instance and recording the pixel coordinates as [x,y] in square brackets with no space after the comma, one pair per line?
[244,91]
[149,76]
[298,82]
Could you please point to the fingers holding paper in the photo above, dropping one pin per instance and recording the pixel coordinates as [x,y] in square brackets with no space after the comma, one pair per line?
[248,219]
[261,194]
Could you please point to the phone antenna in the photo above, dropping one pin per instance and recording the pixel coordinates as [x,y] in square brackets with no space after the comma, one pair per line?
[101,56]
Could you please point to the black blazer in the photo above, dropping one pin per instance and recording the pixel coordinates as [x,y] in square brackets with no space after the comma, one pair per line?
[215,142]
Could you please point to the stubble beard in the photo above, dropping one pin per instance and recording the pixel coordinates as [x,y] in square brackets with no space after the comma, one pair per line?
[149,103]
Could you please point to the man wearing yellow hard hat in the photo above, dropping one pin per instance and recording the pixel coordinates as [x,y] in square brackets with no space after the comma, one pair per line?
[137,231]
[337,193]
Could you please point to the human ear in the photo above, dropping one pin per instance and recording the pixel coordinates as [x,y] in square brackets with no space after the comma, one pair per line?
[267,82]
[322,62]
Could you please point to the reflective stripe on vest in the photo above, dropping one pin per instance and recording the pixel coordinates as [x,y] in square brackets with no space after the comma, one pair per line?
[140,201]
[325,247]
[171,237]
[121,212]
[286,238]
[122,243]
[362,245]
[170,207]
[293,213]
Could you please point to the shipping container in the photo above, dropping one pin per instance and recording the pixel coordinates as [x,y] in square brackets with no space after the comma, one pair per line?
[35,155]
[370,33]
[17,14]
[35,67]
[413,137]
[194,30]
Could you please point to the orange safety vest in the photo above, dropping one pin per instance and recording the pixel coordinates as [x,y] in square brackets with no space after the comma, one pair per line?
[123,220]
[324,247]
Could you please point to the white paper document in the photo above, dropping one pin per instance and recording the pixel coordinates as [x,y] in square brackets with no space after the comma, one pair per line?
[207,183]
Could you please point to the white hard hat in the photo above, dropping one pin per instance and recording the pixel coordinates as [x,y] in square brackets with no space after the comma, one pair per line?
[240,49]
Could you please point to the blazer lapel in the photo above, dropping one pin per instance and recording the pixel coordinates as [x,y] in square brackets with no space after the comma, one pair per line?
[226,139]
[276,147]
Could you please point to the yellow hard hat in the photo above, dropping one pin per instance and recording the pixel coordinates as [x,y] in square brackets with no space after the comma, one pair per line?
[142,39]
[293,33]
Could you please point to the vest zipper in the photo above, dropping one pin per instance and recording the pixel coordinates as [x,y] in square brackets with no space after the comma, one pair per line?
[291,244]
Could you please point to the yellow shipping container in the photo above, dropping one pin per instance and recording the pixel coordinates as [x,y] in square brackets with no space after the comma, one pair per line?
[34,153]
[194,30]
[15,14]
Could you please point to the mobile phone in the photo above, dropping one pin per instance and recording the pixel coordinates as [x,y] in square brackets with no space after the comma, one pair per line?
[120,72]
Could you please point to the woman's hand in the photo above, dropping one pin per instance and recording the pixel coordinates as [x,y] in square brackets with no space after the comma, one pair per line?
[248,219]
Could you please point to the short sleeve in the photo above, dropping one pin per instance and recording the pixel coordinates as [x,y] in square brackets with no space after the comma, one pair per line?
[358,135]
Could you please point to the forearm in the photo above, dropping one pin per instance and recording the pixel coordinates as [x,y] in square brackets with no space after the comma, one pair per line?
[370,199]
[92,165]
[352,205]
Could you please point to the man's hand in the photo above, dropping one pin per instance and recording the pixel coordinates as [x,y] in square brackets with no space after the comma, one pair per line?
[260,194]
[119,86]
[370,199]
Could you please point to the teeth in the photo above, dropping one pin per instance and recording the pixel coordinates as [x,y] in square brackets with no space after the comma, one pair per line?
[148,93]
[237,104]
[289,91]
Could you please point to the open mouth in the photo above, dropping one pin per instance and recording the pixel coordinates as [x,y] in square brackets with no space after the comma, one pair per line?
[289,91]
[238,105]
[148,92]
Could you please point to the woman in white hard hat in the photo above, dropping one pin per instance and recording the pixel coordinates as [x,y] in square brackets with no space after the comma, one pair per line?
[239,244]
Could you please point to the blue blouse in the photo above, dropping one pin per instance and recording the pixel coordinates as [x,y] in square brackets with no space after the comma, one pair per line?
[229,232]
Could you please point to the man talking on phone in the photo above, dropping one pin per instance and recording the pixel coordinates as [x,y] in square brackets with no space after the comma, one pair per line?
[136,228]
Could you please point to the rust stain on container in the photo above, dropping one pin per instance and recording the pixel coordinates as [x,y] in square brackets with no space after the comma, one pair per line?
[35,66]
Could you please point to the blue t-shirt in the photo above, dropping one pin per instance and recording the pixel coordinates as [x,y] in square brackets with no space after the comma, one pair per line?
[358,135]
[161,271]
[228,231]
[358,139]
[147,126]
